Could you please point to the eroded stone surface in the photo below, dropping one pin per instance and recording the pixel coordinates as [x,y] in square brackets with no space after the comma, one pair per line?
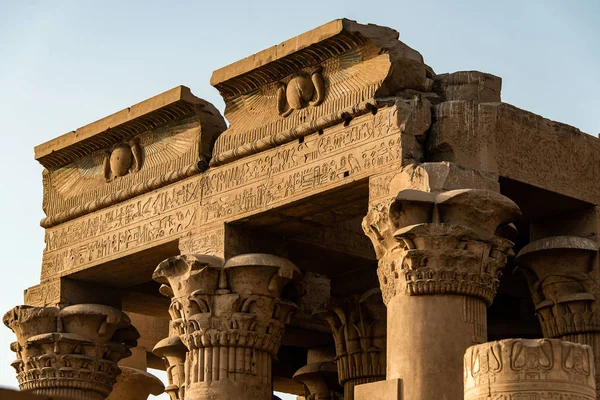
[529,368]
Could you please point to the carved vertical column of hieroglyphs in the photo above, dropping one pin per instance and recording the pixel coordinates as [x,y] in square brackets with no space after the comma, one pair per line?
[358,325]
[231,319]
[440,258]
[560,270]
[529,369]
[70,352]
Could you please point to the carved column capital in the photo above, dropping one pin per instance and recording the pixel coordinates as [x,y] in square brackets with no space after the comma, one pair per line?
[559,272]
[441,243]
[358,325]
[319,380]
[71,351]
[136,384]
[231,318]
[529,368]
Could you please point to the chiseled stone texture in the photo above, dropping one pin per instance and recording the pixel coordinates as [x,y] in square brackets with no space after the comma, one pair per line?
[7,394]
[529,369]
[231,318]
[71,351]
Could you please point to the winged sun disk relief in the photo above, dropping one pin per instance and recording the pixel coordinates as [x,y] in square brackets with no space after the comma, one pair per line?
[300,91]
[123,159]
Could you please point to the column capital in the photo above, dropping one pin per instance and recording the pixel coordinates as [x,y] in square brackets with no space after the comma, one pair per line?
[70,351]
[529,368]
[358,325]
[136,384]
[172,351]
[320,381]
[231,317]
[451,242]
[559,270]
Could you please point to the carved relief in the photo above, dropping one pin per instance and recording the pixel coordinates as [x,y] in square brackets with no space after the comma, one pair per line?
[71,352]
[122,159]
[358,325]
[301,91]
[343,71]
[529,369]
[559,270]
[444,243]
[231,319]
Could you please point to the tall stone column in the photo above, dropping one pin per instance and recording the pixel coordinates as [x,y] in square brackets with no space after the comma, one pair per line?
[440,259]
[529,369]
[72,351]
[172,351]
[231,319]
[560,270]
[358,325]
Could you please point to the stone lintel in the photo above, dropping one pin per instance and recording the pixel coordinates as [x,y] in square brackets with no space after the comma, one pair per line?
[513,143]
[390,389]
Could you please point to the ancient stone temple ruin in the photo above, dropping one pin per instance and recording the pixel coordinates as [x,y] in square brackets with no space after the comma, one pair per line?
[362,227]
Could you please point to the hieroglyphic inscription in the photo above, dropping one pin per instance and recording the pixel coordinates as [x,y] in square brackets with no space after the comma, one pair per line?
[43,294]
[294,170]
[140,222]
[208,241]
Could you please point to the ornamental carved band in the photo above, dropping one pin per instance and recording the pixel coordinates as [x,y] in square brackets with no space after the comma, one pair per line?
[523,369]
[231,319]
[72,351]
[359,328]
[453,242]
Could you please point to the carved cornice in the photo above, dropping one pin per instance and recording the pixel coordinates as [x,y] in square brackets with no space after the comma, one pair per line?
[559,270]
[446,243]
[528,368]
[229,316]
[324,77]
[358,325]
[71,352]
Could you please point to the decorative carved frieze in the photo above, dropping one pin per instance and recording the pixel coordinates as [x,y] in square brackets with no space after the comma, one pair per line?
[441,243]
[560,272]
[358,325]
[231,319]
[529,369]
[173,351]
[149,145]
[71,352]
[321,78]
[320,381]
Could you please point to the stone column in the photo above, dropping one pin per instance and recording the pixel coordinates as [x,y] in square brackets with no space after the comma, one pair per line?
[230,318]
[358,325]
[70,351]
[440,259]
[560,271]
[135,384]
[172,351]
[529,369]
[319,380]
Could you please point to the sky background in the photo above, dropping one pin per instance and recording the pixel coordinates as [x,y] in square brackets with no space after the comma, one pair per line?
[64,64]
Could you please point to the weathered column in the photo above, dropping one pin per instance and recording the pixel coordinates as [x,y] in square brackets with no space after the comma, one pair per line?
[440,259]
[135,384]
[72,351]
[529,369]
[560,273]
[358,325]
[172,351]
[319,380]
[231,319]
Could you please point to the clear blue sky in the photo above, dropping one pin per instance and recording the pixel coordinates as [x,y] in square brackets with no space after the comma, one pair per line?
[64,64]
